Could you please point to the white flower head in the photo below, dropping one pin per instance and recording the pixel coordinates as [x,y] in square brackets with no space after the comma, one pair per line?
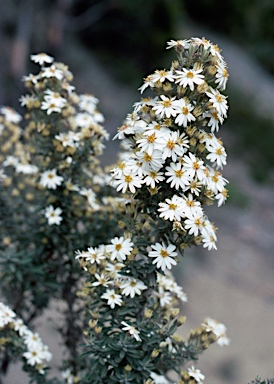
[112,298]
[132,330]
[164,255]
[196,374]
[189,77]
[165,107]
[49,179]
[131,287]
[119,248]
[42,58]
[53,215]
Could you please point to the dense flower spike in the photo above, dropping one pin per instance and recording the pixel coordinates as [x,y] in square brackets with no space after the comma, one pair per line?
[14,332]
[55,199]
[172,135]
[167,173]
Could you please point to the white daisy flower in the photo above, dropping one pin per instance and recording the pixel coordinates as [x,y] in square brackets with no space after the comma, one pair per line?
[215,181]
[184,112]
[147,143]
[11,115]
[53,215]
[196,374]
[52,71]
[7,315]
[149,162]
[165,107]
[222,196]
[178,177]
[164,255]
[153,178]
[218,101]
[119,248]
[194,224]
[221,76]
[158,379]
[214,120]
[189,77]
[126,182]
[112,298]
[49,179]
[132,331]
[162,75]
[51,106]
[101,280]
[91,197]
[131,287]
[42,58]
[94,255]
[164,297]
[171,145]
[217,154]
[172,208]
[193,166]
[148,82]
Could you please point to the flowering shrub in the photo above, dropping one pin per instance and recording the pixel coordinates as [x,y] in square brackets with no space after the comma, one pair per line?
[55,196]
[22,342]
[169,172]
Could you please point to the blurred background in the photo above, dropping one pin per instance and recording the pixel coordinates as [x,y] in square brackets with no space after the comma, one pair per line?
[110,46]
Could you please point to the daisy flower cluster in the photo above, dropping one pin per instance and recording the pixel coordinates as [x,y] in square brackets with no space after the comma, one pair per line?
[173,153]
[13,332]
[56,195]
[168,172]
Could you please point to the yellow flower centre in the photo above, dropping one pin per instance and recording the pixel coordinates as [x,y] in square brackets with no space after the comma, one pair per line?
[162,72]
[190,203]
[215,115]
[166,103]
[225,73]
[118,247]
[215,179]
[157,127]
[219,151]
[147,157]
[198,222]
[151,138]
[153,175]
[190,75]
[173,206]
[163,253]
[185,111]
[128,179]
[133,283]
[170,144]
[179,173]
[219,98]
[196,165]
[122,165]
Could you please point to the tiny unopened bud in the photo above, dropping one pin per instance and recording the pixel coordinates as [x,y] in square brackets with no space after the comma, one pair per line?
[182,320]
[98,330]
[155,353]
[148,313]
[92,323]
[6,240]
[175,312]
[128,368]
